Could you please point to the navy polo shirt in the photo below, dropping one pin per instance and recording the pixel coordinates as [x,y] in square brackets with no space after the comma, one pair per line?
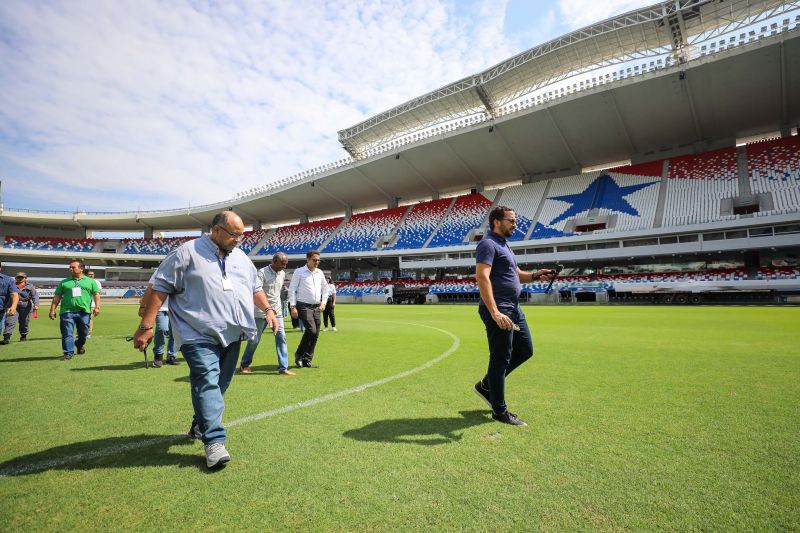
[493,250]
[7,286]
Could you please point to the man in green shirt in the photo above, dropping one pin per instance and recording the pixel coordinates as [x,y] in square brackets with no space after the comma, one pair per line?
[75,294]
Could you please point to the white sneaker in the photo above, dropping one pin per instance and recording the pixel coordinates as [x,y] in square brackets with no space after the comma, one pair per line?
[216,455]
[324,329]
[334,329]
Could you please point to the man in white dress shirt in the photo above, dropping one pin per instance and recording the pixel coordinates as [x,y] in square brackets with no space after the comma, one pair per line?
[308,292]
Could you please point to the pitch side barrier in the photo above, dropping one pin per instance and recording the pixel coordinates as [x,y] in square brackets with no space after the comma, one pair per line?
[664,293]
[707,292]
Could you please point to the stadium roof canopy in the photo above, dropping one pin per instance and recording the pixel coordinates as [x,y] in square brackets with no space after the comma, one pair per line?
[665,28]
[732,82]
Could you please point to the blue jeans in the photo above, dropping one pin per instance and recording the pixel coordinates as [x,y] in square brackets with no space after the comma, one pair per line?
[507,350]
[211,369]
[71,320]
[280,344]
[163,330]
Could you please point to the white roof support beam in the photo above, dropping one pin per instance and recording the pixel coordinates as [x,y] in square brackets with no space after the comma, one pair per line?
[622,125]
[371,182]
[480,90]
[290,206]
[514,157]
[464,164]
[319,186]
[784,98]
[417,173]
[687,88]
[563,139]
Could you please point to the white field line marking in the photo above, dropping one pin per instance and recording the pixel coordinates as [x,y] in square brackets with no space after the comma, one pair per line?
[94,454]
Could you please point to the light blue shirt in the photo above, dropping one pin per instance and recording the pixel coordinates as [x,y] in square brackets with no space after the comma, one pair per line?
[201,310]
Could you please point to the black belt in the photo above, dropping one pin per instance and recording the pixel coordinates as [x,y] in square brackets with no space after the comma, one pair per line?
[313,306]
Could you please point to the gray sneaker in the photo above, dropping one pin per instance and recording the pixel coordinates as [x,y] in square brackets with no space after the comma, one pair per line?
[216,455]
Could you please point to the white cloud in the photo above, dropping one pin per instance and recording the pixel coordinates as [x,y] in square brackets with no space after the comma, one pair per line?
[195,101]
[201,101]
[581,13]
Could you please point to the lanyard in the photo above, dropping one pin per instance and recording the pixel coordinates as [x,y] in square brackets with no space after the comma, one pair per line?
[221,263]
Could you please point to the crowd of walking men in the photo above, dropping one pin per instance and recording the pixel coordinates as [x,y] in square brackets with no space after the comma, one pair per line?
[207,297]
[216,300]
[19,302]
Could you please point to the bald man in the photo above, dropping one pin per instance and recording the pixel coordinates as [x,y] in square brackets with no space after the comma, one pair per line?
[212,288]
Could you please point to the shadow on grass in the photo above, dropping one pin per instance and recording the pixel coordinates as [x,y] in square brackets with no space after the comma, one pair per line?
[262,370]
[422,431]
[29,359]
[111,452]
[134,365]
[33,339]
[137,365]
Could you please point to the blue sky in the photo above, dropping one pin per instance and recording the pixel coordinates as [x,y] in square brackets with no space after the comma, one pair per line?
[139,104]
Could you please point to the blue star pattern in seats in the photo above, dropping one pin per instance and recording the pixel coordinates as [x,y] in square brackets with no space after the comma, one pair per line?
[602,193]
[540,231]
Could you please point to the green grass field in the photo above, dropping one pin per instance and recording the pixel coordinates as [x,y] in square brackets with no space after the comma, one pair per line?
[643,418]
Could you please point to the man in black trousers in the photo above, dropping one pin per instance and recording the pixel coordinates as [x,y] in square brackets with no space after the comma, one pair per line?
[500,284]
[308,292]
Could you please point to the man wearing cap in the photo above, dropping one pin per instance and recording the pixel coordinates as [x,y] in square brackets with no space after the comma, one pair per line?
[28,303]
[9,298]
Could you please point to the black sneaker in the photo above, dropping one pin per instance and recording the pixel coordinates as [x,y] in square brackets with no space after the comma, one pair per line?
[309,364]
[172,361]
[23,338]
[4,341]
[483,393]
[81,350]
[158,362]
[194,432]
[509,418]
[298,363]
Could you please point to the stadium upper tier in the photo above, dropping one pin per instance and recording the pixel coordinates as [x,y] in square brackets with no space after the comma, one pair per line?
[676,192]
[664,34]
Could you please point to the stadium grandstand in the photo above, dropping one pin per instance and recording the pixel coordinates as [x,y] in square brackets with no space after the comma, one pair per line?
[655,153]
